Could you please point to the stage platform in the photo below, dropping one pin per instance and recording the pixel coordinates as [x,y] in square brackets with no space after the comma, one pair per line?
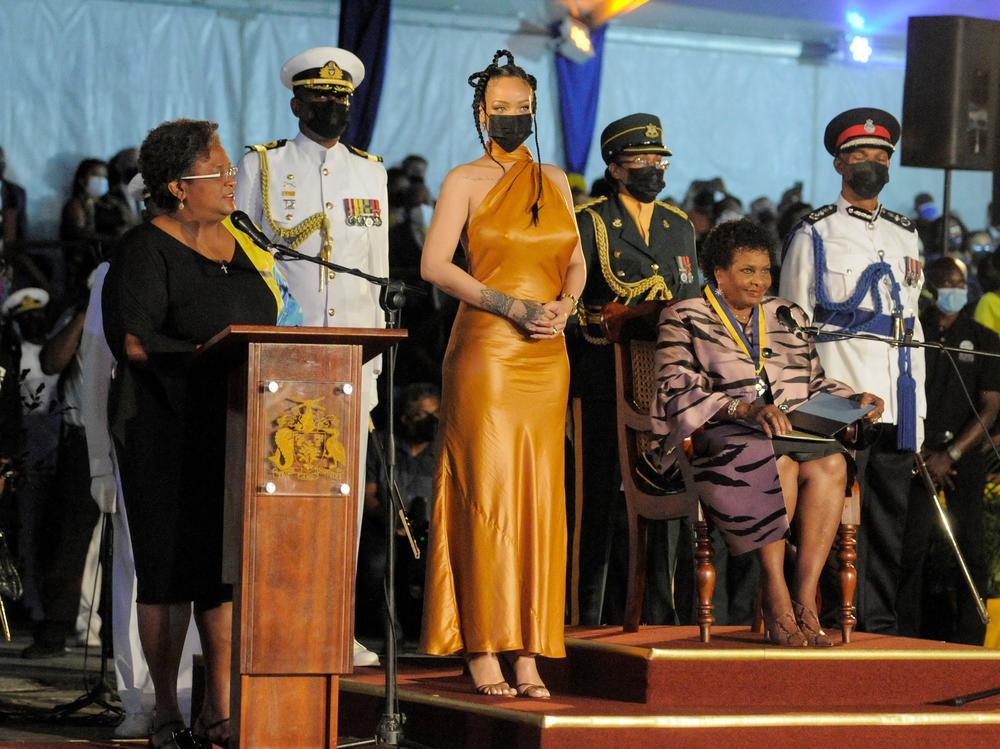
[661,687]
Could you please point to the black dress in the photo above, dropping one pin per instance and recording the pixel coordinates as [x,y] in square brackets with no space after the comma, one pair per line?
[167,416]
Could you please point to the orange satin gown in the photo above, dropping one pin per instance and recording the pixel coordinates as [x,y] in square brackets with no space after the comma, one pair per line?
[496,565]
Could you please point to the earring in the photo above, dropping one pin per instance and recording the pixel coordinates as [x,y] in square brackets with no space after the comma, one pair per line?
[180,205]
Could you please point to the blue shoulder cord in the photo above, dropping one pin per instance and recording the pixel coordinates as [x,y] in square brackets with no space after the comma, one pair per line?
[906,386]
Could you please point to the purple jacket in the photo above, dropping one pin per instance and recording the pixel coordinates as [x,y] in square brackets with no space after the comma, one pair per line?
[699,370]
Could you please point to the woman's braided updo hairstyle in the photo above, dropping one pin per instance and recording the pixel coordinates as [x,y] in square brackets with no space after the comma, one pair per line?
[479,81]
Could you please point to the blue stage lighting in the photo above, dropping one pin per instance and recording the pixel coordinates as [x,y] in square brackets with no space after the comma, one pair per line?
[861,49]
[855,20]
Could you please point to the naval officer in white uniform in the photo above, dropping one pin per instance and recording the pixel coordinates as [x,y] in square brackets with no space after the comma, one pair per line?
[328,200]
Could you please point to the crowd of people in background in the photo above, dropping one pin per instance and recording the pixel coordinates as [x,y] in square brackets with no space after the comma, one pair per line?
[44,294]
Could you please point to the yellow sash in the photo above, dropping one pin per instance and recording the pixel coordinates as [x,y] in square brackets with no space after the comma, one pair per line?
[737,334]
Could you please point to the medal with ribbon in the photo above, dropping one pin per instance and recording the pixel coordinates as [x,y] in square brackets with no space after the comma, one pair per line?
[362,212]
[684,269]
[914,269]
[753,345]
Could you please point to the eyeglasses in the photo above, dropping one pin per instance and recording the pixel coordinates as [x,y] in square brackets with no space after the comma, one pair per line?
[224,174]
[638,162]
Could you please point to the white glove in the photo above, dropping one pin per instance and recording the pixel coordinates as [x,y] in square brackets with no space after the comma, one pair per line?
[104,490]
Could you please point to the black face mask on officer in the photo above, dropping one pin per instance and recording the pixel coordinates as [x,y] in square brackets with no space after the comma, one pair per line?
[509,130]
[867,178]
[645,183]
[421,431]
[328,119]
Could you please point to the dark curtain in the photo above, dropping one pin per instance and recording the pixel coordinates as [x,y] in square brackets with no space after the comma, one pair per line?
[579,84]
[364,30]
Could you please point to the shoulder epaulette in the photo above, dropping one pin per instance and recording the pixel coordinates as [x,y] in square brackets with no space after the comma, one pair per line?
[363,154]
[590,203]
[269,145]
[820,213]
[673,209]
[899,219]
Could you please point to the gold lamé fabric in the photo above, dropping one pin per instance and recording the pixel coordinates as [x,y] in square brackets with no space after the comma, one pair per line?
[496,563]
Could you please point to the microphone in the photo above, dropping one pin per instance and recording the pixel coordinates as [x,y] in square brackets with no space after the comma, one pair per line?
[242,222]
[784,315]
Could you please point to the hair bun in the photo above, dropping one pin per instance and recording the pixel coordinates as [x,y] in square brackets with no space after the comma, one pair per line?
[503,53]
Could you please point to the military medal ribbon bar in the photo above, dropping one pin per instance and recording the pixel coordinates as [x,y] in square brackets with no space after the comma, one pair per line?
[362,212]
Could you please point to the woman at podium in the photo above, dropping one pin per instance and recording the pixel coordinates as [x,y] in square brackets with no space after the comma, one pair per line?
[497,549]
[174,282]
[728,371]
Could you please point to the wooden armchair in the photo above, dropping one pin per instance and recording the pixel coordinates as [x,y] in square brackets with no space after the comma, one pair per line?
[633,331]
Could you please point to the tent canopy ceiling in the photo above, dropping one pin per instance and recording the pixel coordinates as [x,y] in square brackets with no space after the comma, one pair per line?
[779,19]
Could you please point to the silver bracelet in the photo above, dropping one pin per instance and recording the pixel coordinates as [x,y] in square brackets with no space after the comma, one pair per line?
[731,409]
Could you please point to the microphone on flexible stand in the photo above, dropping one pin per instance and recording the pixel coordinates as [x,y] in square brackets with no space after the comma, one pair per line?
[784,315]
[242,222]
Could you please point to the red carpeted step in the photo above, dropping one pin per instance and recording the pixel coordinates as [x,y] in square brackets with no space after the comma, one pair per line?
[669,666]
[443,713]
[661,687]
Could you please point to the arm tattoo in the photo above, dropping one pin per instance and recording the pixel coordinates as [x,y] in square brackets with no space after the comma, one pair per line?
[532,311]
[495,301]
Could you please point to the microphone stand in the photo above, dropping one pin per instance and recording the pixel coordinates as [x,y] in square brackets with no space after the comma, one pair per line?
[392,297]
[920,467]
[102,693]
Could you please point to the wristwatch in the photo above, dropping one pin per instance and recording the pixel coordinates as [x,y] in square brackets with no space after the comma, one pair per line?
[955,453]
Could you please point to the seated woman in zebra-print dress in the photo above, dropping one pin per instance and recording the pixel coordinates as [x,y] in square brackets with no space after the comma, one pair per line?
[727,372]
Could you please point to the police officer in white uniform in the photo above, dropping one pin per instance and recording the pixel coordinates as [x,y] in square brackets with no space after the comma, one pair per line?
[853,267]
[328,200]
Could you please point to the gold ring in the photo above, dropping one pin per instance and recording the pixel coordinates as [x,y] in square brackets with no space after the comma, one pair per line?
[554,331]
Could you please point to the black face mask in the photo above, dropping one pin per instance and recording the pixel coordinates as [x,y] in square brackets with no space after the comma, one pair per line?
[867,178]
[424,430]
[328,119]
[645,183]
[31,327]
[509,130]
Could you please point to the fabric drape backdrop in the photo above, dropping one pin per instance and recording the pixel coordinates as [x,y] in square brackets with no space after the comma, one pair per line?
[124,67]
[364,30]
[579,86]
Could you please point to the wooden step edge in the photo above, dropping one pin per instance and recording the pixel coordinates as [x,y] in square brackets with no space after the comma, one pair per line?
[775,653]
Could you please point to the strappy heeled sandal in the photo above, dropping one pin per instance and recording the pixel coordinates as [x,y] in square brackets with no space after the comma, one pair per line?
[533,691]
[205,732]
[498,689]
[179,737]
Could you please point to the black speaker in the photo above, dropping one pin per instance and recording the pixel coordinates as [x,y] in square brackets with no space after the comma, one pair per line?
[951,99]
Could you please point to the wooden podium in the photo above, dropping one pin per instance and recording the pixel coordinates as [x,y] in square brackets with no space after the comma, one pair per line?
[292,427]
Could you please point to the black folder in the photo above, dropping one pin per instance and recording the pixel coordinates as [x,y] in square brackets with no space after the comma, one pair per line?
[825,414]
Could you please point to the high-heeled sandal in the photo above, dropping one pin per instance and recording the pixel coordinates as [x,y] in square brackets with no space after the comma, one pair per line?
[531,690]
[176,735]
[808,623]
[200,730]
[499,689]
[784,630]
